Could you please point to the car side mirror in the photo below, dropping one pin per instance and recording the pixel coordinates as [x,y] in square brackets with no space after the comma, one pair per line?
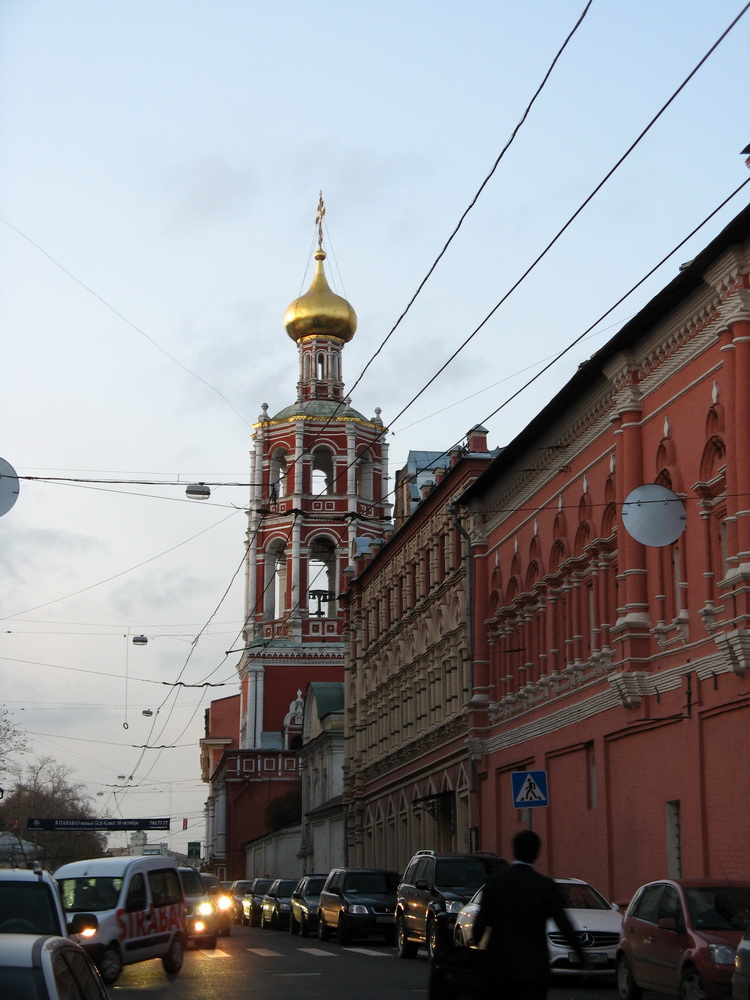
[83,922]
[667,924]
[421,883]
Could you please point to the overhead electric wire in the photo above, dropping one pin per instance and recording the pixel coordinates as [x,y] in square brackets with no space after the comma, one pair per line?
[596,322]
[123,572]
[125,319]
[460,222]
[474,200]
[575,215]
[554,240]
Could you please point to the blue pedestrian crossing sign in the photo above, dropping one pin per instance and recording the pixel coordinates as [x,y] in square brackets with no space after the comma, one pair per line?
[529,789]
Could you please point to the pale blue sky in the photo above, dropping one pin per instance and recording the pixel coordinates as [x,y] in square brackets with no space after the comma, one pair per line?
[168,156]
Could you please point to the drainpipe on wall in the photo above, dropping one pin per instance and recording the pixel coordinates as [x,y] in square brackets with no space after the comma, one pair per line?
[474,818]
[469,576]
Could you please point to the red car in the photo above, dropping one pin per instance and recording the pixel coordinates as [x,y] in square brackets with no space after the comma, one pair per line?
[679,937]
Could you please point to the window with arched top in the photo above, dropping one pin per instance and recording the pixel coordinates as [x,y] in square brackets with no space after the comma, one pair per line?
[609,520]
[557,556]
[713,458]
[560,528]
[277,474]
[495,603]
[320,365]
[364,476]
[322,472]
[322,585]
[274,592]
[582,536]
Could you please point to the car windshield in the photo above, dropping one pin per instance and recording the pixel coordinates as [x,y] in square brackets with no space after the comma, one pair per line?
[370,882]
[27,907]
[580,896]
[240,888]
[314,886]
[720,908]
[90,895]
[460,873]
[262,886]
[286,887]
[192,883]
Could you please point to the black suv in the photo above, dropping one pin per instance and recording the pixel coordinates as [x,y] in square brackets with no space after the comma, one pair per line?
[437,884]
[357,902]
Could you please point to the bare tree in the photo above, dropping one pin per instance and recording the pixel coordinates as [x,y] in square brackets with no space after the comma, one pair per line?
[44,791]
[12,741]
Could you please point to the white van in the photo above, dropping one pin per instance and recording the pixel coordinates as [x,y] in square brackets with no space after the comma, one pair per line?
[139,904]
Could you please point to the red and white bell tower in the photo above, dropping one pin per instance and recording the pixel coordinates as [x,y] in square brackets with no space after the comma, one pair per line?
[319,475]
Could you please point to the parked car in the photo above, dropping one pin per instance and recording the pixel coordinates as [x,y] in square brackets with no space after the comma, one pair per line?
[47,967]
[303,916]
[30,903]
[202,916]
[252,900]
[357,902]
[597,923]
[222,900]
[237,890]
[432,884]
[276,905]
[741,975]
[680,936]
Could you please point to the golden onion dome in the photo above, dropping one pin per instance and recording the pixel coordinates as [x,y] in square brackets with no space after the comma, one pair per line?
[320,310]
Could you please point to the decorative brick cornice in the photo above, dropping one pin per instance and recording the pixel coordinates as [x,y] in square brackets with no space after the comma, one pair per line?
[735,649]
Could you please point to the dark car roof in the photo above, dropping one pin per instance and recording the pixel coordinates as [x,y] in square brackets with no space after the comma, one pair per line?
[389,871]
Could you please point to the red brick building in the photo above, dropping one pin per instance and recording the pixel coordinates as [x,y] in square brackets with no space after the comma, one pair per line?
[619,668]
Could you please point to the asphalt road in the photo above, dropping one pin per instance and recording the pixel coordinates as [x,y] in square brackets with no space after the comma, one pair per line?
[255,964]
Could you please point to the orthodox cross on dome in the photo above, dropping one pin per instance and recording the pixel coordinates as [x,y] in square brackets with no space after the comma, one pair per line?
[319,220]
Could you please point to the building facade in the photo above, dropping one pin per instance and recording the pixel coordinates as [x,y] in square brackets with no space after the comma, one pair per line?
[322,764]
[619,668]
[408,675]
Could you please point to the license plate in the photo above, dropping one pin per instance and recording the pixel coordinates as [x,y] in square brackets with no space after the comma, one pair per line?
[385,919]
[591,957]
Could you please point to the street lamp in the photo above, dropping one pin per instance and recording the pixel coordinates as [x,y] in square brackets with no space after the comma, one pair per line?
[198,491]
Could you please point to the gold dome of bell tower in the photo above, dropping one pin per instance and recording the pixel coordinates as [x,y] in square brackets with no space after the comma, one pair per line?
[319,311]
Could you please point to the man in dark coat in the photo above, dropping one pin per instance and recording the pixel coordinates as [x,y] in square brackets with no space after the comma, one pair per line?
[516,904]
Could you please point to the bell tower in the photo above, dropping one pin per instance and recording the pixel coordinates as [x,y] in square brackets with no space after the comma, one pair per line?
[319,475]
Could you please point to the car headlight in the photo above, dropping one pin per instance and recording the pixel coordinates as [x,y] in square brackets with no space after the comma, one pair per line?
[453,906]
[722,954]
[224,902]
[283,906]
[357,908]
[205,909]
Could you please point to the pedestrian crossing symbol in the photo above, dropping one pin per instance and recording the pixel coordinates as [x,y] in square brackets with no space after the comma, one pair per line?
[529,789]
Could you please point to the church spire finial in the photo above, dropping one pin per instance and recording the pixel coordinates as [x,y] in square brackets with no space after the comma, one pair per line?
[319,220]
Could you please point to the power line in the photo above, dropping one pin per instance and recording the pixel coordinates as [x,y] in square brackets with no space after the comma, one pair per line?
[123,572]
[474,200]
[125,319]
[575,214]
